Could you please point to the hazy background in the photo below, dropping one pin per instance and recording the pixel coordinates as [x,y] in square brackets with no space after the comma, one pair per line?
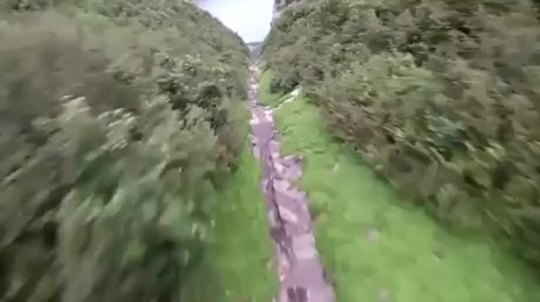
[249,18]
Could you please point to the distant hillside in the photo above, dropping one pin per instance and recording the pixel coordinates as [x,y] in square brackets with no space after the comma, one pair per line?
[255,48]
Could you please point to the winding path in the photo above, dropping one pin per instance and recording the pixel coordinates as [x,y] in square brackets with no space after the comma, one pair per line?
[301,275]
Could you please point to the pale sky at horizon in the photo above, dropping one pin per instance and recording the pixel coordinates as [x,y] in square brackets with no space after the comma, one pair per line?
[249,18]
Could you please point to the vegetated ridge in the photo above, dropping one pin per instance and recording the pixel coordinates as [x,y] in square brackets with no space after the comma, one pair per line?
[120,121]
[439,97]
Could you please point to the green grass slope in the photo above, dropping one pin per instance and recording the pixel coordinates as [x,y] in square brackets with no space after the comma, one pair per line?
[376,245]
[438,96]
[265,96]
[238,265]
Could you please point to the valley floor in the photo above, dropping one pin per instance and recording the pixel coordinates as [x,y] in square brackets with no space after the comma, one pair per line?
[375,245]
[378,247]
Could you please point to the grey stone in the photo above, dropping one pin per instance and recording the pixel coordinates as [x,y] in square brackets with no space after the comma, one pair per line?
[383,295]
[373,234]
[301,276]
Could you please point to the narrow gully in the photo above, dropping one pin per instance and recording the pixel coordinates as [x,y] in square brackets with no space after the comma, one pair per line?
[301,275]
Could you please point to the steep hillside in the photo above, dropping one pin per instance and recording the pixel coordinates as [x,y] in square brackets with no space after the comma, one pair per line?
[120,121]
[439,97]
[281,5]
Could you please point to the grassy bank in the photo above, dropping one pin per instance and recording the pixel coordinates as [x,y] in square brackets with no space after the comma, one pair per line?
[266,98]
[437,95]
[238,265]
[378,247]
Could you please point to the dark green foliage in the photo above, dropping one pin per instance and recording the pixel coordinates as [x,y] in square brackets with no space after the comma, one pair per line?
[118,118]
[440,97]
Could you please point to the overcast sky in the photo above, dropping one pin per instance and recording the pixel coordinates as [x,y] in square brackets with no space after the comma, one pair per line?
[249,18]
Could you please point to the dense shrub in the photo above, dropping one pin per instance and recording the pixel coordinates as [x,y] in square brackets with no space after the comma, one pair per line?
[118,118]
[440,97]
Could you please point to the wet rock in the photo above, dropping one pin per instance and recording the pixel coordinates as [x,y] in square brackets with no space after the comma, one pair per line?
[288,215]
[300,271]
[297,294]
[304,247]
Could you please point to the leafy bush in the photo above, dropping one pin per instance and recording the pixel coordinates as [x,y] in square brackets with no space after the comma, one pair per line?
[438,96]
[118,121]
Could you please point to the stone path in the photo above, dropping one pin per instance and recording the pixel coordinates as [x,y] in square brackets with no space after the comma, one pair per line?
[301,275]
